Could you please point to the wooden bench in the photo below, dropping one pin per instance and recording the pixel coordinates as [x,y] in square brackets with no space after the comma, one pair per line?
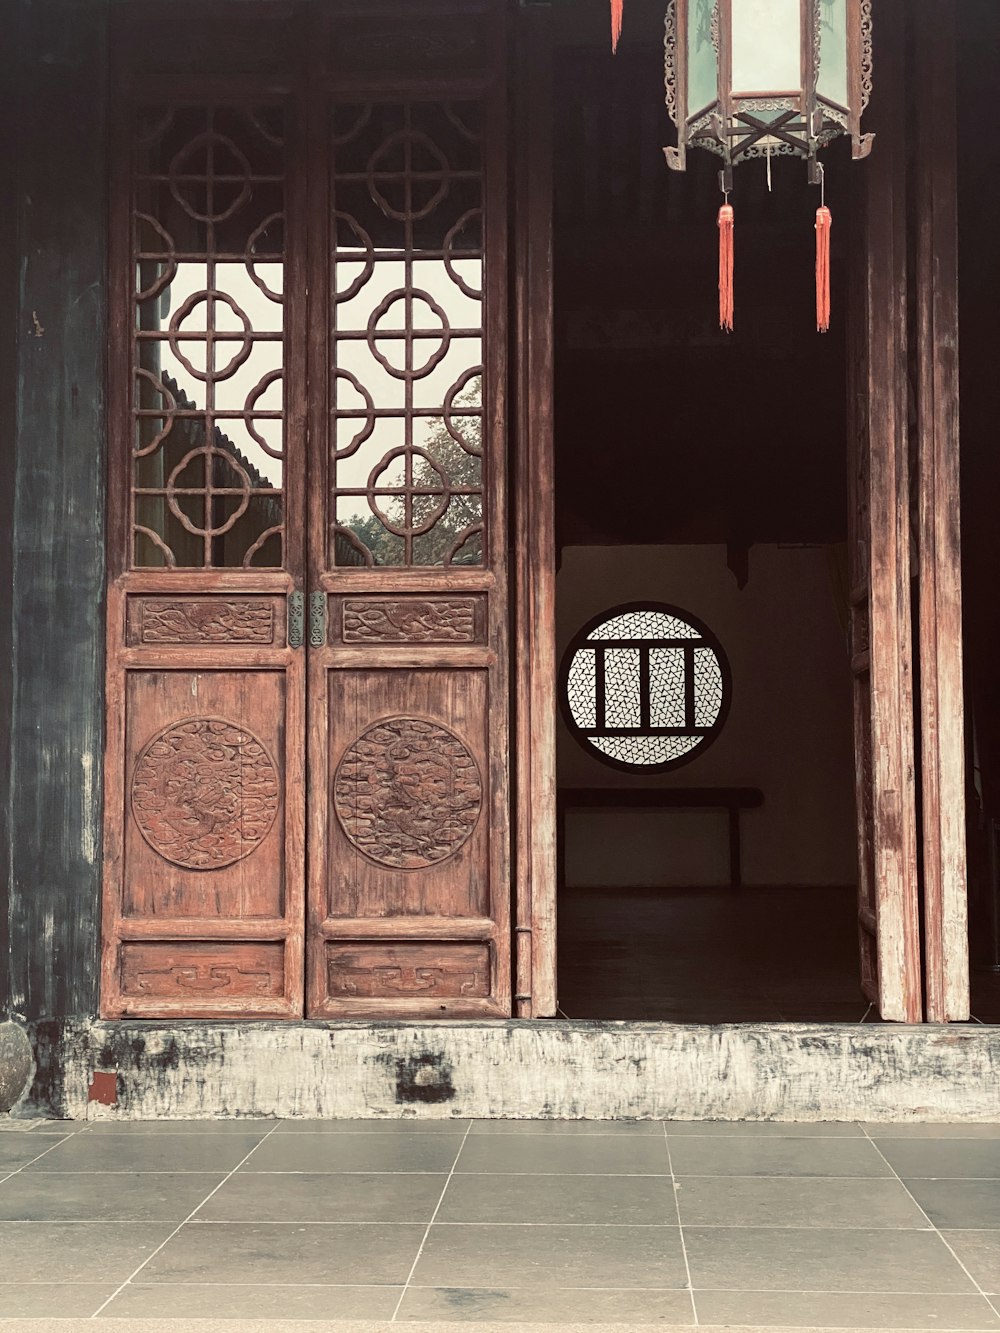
[734,800]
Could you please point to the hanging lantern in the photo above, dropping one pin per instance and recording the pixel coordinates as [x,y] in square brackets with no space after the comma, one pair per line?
[760,78]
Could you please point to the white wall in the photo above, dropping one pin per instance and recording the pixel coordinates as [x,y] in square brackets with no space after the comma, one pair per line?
[788,730]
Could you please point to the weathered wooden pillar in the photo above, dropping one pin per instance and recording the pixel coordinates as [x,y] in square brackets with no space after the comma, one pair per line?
[57,513]
[533,565]
[942,722]
[880,551]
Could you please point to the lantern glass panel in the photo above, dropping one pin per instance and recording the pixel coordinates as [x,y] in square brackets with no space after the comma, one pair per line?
[703,62]
[767,46]
[832,81]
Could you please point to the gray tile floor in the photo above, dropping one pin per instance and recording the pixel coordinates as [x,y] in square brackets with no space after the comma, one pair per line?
[499,1221]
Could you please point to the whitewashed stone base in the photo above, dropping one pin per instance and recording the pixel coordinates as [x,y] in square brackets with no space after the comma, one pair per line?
[549,1069]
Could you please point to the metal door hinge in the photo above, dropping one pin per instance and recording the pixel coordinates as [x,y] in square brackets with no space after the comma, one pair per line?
[317,620]
[296,619]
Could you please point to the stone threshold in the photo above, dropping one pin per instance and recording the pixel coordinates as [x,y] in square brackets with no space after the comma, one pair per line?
[513,1069]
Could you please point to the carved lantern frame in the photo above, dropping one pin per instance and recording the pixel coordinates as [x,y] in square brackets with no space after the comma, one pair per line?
[744,93]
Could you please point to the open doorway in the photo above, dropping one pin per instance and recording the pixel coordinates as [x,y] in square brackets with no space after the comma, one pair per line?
[978,54]
[701,480]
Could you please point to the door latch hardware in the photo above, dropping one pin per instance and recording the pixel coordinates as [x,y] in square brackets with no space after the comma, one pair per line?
[317,620]
[296,619]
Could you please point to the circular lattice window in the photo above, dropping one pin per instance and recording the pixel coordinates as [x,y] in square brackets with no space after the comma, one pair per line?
[645,687]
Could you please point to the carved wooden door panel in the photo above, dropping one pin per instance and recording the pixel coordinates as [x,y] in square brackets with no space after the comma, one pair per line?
[308,533]
[408,721]
[204,829]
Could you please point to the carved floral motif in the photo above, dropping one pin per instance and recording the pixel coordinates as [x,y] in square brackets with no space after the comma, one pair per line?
[207,622]
[408,793]
[204,793]
[410,620]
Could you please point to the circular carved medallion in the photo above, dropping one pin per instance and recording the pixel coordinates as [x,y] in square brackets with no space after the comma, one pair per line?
[408,793]
[204,793]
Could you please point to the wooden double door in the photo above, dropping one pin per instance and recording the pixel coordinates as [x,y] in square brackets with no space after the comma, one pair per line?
[308,772]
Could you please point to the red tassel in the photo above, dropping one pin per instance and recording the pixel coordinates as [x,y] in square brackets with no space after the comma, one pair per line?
[726,219]
[824,221]
[616,22]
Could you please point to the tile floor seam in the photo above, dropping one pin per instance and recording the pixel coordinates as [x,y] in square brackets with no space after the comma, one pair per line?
[940,1234]
[680,1225]
[427,1230]
[10,1175]
[181,1225]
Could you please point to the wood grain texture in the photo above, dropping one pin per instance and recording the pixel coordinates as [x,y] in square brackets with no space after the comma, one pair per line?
[534,529]
[428,970]
[942,738]
[880,555]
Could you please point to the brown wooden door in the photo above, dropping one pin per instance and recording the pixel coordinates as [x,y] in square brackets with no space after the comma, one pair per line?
[409,792]
[307,609]
[204,771]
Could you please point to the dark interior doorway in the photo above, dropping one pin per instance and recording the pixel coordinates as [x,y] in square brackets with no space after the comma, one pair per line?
[979,285]
[707,472]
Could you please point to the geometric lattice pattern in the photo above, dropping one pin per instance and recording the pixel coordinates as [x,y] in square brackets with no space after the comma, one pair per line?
[645,687]
[407,335]
[207,396]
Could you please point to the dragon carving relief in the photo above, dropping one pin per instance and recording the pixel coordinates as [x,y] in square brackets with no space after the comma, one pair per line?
[410,620]
[206,622]
[408,793]
[205,793]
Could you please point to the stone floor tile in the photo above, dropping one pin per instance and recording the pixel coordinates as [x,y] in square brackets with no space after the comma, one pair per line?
[935,1159]
[17,1150]
[653,1128]
[324,1197]
[959,1203]
[243,1128]
[600,1200]
[263,1253]
[979,1251]
[765,1129]
[401,1125]
[934,1131]
[49,1196]
[551,1256]
[356,1152]
[52,1300]
[578,1154]
[60,1127]
[555,1305]
[839,1309]
[78,1251]
[692,1156]
[112,1153]
[820,1259]
[803,1201]
[182,1301]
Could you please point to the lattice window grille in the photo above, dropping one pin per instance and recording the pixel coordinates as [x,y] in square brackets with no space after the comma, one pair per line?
[645,687]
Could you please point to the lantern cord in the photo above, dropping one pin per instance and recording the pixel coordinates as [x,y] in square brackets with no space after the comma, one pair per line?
[617,7]
[726,221]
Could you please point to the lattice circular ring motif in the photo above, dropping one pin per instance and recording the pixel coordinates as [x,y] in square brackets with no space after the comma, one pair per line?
[205,793]
[408,793]
[645,687]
